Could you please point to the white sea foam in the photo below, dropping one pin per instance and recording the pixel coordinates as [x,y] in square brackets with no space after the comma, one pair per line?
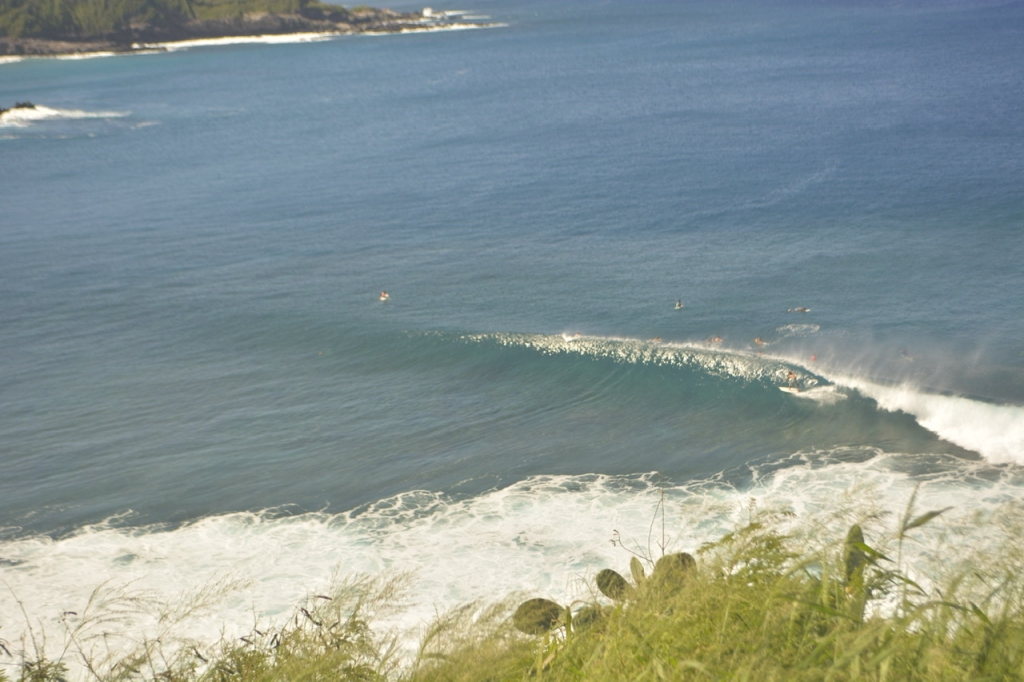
[994,431]
[10,59]
[87,55]
[174,46]
[542,536]
[23,116]
[434,28]
[790,330]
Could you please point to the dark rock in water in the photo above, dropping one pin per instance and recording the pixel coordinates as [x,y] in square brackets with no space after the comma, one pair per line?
[612,585]
[674,567]
[18,105]
[587,616]
[537,616]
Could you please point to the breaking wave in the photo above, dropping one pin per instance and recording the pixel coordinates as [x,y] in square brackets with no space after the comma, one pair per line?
[22,117]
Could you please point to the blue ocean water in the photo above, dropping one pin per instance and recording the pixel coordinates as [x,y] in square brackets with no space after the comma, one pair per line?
[199,378]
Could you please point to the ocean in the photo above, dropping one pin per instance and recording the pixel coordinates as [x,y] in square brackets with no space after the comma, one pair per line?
[609,231]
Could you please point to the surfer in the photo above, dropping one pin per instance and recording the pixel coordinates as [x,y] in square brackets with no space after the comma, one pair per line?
[791,379]
[801,309]
[759,341]
[679,304]
[385,296]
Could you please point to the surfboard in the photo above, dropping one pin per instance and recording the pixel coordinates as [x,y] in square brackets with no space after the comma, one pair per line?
[789,389]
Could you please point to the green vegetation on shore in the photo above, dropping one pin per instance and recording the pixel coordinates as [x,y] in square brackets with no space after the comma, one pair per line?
[111,19]
[765,602]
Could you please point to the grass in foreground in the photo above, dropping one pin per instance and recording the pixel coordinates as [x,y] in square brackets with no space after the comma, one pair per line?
[756,608]
[756,605]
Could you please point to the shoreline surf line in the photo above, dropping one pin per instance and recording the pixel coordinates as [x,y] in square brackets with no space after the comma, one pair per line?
[264,29]
[274,561]
[262,39]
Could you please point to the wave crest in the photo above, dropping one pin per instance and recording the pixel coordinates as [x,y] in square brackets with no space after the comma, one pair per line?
[996,432]
[706,358]
[21,117]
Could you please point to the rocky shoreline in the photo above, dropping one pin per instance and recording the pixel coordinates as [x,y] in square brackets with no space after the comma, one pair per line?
[139,37]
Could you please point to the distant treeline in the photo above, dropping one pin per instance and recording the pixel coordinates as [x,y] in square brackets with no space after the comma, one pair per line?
[71,19]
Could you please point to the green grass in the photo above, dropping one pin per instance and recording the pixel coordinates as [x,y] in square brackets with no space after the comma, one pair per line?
[759,606]
[772,600]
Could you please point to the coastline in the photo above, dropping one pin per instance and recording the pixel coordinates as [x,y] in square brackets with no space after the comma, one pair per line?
[250,27]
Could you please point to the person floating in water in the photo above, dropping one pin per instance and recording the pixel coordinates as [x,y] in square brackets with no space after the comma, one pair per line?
[385,296]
